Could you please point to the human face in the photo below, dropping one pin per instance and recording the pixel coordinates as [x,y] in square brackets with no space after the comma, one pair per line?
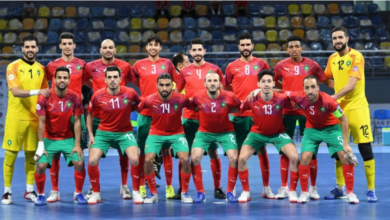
[186,61]
[164,87]
[197,52]
[153,48]
[339,40]
[311,89]
[62,80]
[113,79]
[67,46]
[246,47]
[30,50]
[212,83]
[108,49]
[266,84]
[294,48]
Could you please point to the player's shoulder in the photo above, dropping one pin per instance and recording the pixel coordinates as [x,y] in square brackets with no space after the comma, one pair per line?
[16,62]
[165,60]
[355,54]
[79,61]
[179,95]
[128,89]
[259,60]
[325,96]
[201,92]
[54,62]
[280,95]
[333,55]
[187,67]
[140,62]
[122,62]
[100,91]
[227,93]
[40,65]
[211,65]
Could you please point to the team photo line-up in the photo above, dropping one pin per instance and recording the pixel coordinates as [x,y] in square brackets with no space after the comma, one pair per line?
[183,112]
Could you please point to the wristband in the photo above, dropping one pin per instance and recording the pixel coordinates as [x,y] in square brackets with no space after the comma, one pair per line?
[34,92]
[39,151]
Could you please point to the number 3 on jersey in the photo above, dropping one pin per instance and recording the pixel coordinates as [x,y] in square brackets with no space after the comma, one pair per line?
[154,71]
[267,109]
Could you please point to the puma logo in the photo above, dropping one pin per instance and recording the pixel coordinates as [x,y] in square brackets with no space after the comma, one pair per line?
[155,106]
[258,108]
[368,166]
[233,181]
[136,176]
[284,168]
[8,165]
[351,174]
[305,175]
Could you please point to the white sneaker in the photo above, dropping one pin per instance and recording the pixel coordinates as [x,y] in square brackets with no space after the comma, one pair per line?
[7,198]
[186,198]
[352,199]
[303,198]
[244,197]
[234,191]
[95,198]
[89,193]
[282,193]
[292,196]
[267,193]
[54,196]
[125,192]
[137,198]
[313,193]
[152,199]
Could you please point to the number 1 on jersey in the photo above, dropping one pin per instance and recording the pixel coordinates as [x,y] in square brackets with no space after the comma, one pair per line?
[165,107]
[112,101]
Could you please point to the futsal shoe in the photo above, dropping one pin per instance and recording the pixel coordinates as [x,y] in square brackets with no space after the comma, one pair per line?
[79,199]
[7,198]
[219,194]
[292,196]
[313,193]
[336,193]
[40,201]
[231,198]
[152,199]
[95,198]
[304,197]
[244,197]
[200,197]
[89,193]
[186,198]
[137,198]
[142,191]
[178,194]
[352,199]
[54,196]
[267,193]
[169,192]
[282,193]
[371,197]
[125,192]
[32,196]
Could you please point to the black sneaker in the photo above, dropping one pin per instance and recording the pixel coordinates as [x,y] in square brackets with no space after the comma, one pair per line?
[7,198]
[178,195]
[219,194]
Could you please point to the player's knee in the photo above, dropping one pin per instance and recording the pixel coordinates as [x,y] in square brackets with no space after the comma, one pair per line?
[149,158]
[366,151]
[93,162]
[134,160]
[195,159]
[41,168]
[294,159]
[305,159]
[241,161]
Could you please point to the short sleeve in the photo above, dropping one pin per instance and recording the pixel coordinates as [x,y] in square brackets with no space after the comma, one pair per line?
[172,71]
[339,112]
[245,106]
[92,104]
[287,102]
[12,76]
[228,75]
[187,103]
[41,105]
[50,70]
[129,75]
[219,71]
[180,83]
[277,72]
[319,73]
[45,84]
[266,66]
[78,109]
[135,98]
[332,104]
[357,69]
[143,105]
[87,73]
[234,100]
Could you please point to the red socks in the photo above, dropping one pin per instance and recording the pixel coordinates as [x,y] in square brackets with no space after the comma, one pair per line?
[185,181]
[348,171]
[151,182]
[94,177]
[243,175]
[180,180]
[198,179]
[124,164]
[79,178]
[54,174]
[264,165]
[40,182]
[313,171]
[232,178]
[216,170]
[284,166]
[135,177]
[294,176]
[168,167]
[141,170]
[304,172]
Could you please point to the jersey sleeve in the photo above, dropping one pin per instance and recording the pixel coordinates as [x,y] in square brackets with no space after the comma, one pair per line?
[41,105]
[319,73]
[87,73]
[187,103]
[172,71]
[78,109]
[219,71]
[338,113]
[234,100]
[228,76]
[245,106]
[45,84]
[278,72]
[287,102]
[292,95]
[12,76]
[92,104]
[143,105]
[50,70]
[180,83]
[129,75]
[357,69]
[266,66]
[332,104]
[135,98]
[328,69]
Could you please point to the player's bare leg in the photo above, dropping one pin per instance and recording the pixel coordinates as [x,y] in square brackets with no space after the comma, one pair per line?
[168,168]
[94,174]
[54,178]
[196,157]
[132,155]
[245,153]
[265,173]
[124,166]
[232,175]
[216,169]
[291,152]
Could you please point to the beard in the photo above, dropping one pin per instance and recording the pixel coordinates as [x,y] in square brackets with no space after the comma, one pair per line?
[26,55]
[61,88]
[242,53]
[198,58]
[341,48]
[167,93]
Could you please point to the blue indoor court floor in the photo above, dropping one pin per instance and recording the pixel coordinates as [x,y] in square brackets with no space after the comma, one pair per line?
[113,207]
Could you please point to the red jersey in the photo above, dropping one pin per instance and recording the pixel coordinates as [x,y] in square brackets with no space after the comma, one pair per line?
[318,114]
[293,75]
[214,113]
[192,80]
[147,72]
[267,116]
[243,77]
[95,70]
[166,116]
[58,112]
[76,67]
[114,110]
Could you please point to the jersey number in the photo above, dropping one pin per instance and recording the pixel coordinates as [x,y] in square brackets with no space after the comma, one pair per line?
[154,69]
[247,70]
[113,101]
[212,107]
[199,73]
[296,68]
[184,141]
[267,109]
[364,129]
[165,107]
[30,71]
[312,112]
[232,139]
[340,63]
[69,67]
[62,105]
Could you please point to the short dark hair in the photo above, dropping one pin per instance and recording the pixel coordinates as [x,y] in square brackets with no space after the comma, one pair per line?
[197,41]
[310,77]
[263,73]
[155,38]
[164,76]
[294,38]
[61,68]
[340,28]
[29,37]
[244,36]
[66,35]
[112,68]
[178,58]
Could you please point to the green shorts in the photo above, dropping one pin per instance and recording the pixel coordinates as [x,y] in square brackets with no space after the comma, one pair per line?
[53,147]
[178,142]
[258,141]
[117,140]
[204,139]
[96,122]
[331,135]
[242,127]
[190,128]
[144,123]
[83,140]
[290,123]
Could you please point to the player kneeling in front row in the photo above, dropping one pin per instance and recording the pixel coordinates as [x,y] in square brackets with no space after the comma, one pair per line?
[115,104]
[166,129]
[267,108]
[52,111]
[322,125]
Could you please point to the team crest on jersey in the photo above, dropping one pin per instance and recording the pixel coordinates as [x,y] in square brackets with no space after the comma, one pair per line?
[69,104]
[39,73]
[348,63]
[210,71]
[277,107]
[125,101]
[78,67]
[163,67]
[9,142]
[176,106]
[306,68]
[322,109]
[223,104]
[256,67]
